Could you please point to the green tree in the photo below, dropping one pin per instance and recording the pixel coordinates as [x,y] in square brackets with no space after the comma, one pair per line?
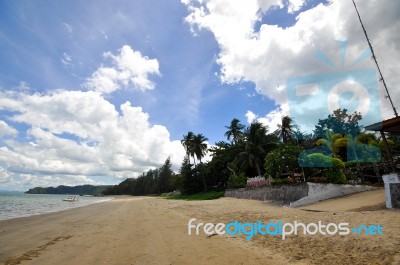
[286,128]
[187,143]
[333,142]
[165,176]
[258,144]
[283,159]
[220,168]
[190,179]
[339,122]
[235,131]
[199,146]
[237,181]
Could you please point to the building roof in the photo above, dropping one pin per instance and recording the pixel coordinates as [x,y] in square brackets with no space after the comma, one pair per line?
[391,125]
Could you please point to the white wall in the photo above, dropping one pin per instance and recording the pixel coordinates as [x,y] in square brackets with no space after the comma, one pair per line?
[321,191]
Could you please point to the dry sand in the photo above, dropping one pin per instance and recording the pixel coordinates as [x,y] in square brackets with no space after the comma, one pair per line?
[132,230]
[363,201]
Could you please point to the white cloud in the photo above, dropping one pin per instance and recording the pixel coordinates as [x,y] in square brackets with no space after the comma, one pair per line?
[295,5]
[250,116]
[75,133]
[4,176]
[271,119]
[273,54]
[7,130]
[130,69]
[13,181]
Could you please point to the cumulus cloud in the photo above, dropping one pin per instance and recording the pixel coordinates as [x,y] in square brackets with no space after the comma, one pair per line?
[295,5]
[271,119]
[268,57]
[250,116]
[7,130]
[80,133]
[129,69]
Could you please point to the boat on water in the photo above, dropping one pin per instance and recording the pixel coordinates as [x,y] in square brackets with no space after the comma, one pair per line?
[71,199]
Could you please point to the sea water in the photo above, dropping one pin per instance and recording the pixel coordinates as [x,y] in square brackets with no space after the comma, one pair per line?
[19,204]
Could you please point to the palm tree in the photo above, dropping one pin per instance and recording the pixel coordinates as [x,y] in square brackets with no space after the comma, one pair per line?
[334,142]
[199,146]
[285,129]
[235,130]
[258,144]
[187,143]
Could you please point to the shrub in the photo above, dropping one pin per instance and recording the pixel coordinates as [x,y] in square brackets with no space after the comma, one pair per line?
[279,181]
[282,160]
[337,163]
[320,160]
[334,176]
[237,181]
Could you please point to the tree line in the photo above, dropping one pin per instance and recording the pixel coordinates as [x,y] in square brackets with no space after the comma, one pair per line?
[286,155]
[76,190]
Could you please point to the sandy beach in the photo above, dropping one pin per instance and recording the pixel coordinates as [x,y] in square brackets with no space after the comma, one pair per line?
[143,230]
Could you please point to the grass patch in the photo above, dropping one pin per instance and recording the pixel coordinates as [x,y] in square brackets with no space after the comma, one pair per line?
[212,195]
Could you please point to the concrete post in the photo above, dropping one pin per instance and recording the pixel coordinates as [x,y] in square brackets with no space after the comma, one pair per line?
[389,179]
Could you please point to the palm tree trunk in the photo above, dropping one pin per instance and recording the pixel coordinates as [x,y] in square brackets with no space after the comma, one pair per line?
[258,169]
[204,180]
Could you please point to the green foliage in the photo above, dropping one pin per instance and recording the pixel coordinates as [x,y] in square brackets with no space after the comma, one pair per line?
[331,168]
[195,145]
[339,122]
[282,160]
[235,131]
[286,129]
[237,181]
[191,179]
[165,177]
[337,163]
[335,176]
[197,196]
[154,181]
[279,181]
[258,143]
[176,182]
[318,160]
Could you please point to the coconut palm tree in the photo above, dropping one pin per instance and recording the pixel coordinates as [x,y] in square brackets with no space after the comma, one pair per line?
[187,143]
[199,146]
[334,142]
[285,129]
[235,130]
[258,144]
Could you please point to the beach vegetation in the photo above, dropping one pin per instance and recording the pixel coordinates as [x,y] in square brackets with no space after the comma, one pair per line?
[332,153]
[283,159]
[237,181]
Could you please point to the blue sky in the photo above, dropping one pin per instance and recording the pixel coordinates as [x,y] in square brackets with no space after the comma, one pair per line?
[35,39]
[204,63]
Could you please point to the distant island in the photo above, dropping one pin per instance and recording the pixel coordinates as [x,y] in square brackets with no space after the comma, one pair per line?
[76,190]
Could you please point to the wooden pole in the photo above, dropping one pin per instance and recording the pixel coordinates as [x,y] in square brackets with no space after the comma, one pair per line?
[389,154]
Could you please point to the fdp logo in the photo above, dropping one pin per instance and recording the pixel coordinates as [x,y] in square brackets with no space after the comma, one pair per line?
[314,97]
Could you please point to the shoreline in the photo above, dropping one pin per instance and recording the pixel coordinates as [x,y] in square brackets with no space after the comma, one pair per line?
[56,209]
[149,230]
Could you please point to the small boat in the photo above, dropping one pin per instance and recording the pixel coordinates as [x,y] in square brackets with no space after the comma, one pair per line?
[71,199]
